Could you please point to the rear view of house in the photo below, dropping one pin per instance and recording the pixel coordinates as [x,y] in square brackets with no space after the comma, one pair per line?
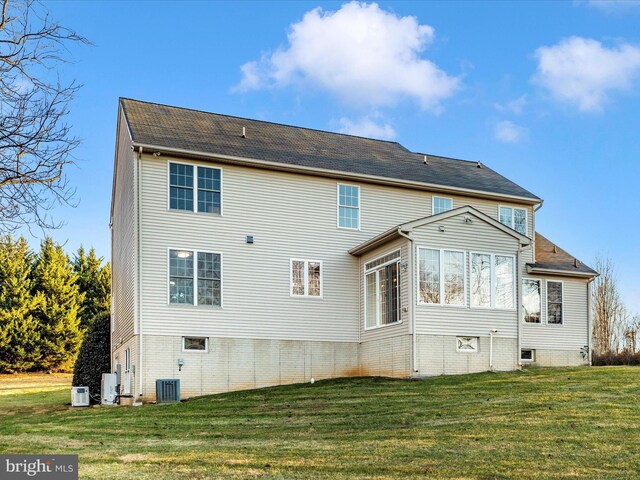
[248,254]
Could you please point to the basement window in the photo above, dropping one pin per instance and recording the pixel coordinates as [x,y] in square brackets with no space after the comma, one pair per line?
[527,355]
[467,344]
[197,344]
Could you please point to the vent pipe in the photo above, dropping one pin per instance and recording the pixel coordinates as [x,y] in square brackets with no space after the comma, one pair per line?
[244,132]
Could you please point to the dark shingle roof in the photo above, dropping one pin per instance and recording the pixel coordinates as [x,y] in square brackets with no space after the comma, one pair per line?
[212,133]
[551,257]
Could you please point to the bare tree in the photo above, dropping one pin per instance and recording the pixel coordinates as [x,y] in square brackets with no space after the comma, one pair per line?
[36,143]
[609,313]
[631,332]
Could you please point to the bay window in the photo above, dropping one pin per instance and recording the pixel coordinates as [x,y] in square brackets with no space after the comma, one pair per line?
[382,291]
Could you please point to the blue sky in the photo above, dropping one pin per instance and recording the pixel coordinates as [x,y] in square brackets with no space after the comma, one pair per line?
[547,93]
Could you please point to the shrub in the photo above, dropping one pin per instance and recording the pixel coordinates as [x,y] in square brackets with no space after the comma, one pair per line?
[94,358]
[625,357]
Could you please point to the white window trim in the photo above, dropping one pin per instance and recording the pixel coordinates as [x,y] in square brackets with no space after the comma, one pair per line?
[477,349]
[433,203]
[194,188]
[364,282]
[419,302]
[539,280]
[546,301]
[494,282]
[189,350]
[195,279]
[533,355]
[306,278]
[338,206]
[513,223]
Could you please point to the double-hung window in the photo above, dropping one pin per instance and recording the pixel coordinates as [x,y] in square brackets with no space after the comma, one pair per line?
[492,280]
[348,206]
[195,278]
[441,204]
[306,278]
[382,291]
[195,188]
[515,218]
[531,300]
[554,303]
[441,277]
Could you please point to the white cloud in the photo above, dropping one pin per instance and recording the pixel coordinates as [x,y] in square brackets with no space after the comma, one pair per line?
[367,127]
[509,132]
[514,106]
[361,53]
[583,72]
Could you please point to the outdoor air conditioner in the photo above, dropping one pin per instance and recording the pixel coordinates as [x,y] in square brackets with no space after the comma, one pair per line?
[79,396]
[108,389]
[168,390]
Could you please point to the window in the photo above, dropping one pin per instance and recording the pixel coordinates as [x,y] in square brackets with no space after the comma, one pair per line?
[441,277]
[441,204]
[554,303]
[531,300]
[382,293]
[467,344]
[191,272]
[527,355]
[515,218]
[492,281]
[306,278]
[206,198]
[348,206]
[180,186]
[198,344]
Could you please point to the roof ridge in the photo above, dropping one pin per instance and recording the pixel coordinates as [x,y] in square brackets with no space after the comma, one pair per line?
[266,121]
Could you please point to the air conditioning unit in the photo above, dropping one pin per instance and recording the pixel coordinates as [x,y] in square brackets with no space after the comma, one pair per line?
[79,396]
[109,389]
[168,390]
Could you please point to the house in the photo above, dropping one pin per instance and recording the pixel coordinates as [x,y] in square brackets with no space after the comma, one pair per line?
[247,254]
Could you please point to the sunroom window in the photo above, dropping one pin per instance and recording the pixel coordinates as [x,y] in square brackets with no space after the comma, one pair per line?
[382,294]
[492,280]
[441,276]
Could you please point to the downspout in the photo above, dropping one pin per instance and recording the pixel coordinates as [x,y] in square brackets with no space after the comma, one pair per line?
[589,318]
[519,299]
[412,320]
[139,370]
[491,333]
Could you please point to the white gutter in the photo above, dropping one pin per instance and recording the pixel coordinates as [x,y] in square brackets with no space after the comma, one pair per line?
[519,306]
[412,318]
[589,317]
[562,273]
[491,333]
[245,161]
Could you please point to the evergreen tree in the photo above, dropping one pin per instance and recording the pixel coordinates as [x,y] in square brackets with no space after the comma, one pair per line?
[94,280]
[19,330]
[58,312]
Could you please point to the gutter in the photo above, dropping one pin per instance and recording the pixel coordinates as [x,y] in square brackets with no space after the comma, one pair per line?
[139,270]
[519,306]
[412,317]
[245,161]
[562,273]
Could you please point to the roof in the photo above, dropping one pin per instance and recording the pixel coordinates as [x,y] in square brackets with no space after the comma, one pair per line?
[407,227]
[551,259]
[182,129]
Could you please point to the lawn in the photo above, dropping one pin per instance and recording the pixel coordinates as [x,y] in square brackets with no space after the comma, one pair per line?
[539,423]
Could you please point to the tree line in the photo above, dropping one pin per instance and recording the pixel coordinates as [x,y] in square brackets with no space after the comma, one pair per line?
[47,302]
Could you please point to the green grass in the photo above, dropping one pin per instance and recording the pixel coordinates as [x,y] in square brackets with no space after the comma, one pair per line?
[539,423]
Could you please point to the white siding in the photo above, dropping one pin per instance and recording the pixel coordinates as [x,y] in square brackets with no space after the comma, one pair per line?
[477,236]
[290,216]
[124,261]
[573,334]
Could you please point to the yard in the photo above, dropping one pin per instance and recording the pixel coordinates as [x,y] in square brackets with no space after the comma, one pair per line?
[539,423]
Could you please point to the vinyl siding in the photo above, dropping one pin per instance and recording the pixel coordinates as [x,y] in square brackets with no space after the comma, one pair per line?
[477,236]
[574,333]
[124,262]
[290,216]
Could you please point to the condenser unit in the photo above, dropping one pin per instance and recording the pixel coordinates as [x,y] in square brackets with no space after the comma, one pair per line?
[109,389]
[79,396]
[168,390]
